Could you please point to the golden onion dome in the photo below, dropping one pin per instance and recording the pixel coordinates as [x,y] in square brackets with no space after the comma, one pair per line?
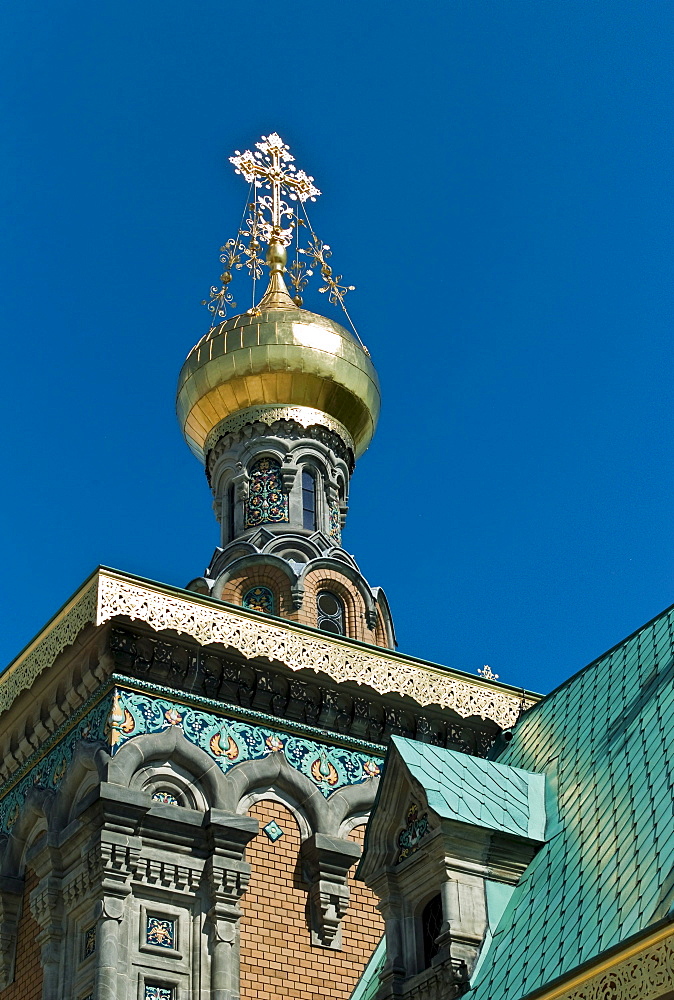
[277,360]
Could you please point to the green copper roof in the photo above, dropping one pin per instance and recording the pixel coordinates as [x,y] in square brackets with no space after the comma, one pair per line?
[605,739]
[367,985]
[475,791]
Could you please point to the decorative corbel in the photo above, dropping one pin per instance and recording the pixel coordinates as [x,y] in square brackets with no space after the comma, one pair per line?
[297,596]
[327,861]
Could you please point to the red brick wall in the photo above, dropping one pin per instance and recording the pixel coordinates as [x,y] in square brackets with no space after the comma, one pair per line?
[27,983]
[277,958]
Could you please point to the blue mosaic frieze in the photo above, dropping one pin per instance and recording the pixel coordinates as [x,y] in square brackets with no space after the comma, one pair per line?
[230,742]
[49,771]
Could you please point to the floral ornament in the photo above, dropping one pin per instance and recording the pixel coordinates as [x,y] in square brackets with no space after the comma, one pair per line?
[267,503]
[120,722]
[221,297]
[323,771]
[319,253]
[230,750]
[371,769]
[410,838]
[173,717]
[274,744]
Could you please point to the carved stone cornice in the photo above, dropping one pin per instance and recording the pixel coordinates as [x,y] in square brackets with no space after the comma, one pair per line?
[112,595]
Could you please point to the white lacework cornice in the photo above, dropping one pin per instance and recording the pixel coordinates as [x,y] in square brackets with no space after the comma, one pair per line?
[111,595]
[298,650]
[50,643]
[646,975]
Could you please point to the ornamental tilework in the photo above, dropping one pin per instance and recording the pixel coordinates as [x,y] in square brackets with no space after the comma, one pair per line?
[90,941]
[259,599]
[415,830]
[273,831]
[335,527]
[267,503]
[230,742]
[166,798]
[160,932]
[48,772]
[155,992]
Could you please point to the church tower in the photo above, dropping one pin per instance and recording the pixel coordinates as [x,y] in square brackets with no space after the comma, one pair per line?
[278,403]
[186,774]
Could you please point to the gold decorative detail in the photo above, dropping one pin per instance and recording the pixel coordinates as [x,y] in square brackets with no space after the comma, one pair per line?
[221,297]
[205,621]
[60,633]
[319,252]
[645,973]
[305,416]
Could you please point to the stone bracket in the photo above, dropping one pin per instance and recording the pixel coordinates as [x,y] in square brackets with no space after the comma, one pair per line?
[326,862]
[11,895]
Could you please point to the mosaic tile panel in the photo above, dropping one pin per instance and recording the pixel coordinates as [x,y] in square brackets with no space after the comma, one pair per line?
[267,503]
[230,742]
[155,992]
[160,932]
[273,831]
[167,798]
[90,941]
[49,771]
[335,525]
[259,599]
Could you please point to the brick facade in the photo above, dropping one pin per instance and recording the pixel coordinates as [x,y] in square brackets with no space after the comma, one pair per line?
[277,958]
[27,983]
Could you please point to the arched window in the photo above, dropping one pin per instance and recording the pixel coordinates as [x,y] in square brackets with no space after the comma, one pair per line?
[231,500]
[431,922]
[267,503]
[330,612]
[259,599]
[308,500]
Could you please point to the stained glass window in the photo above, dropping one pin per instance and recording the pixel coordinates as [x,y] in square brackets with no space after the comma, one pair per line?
[330,612]
[259,599]
[308,500]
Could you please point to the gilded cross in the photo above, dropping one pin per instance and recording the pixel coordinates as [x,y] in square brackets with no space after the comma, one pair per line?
[274,166]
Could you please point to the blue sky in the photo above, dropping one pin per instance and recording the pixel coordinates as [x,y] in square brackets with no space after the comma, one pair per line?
[496,182]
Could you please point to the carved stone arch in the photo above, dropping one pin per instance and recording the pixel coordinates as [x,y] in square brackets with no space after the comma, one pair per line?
[259,569]
[275,773]
[303,546]
[351,806]
[33,821]
[170,745]
[286,800]
[264,447]
[385,631]
[83,774]
[227,469]
[349,585]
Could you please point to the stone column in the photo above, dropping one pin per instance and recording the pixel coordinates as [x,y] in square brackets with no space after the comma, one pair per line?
[226,876]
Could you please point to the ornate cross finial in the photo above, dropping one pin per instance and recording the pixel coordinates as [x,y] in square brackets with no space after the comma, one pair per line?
[266,167]
[271,220]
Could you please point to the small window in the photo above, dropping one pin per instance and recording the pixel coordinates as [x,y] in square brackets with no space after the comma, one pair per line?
[231,501]
[431,923]
[330,612]
[308,500]
[259,599]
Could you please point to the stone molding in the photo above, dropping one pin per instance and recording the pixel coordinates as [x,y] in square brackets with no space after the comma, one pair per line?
[305,416]
[111,595]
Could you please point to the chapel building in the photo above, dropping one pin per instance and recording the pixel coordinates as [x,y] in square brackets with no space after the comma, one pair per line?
[240,790]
